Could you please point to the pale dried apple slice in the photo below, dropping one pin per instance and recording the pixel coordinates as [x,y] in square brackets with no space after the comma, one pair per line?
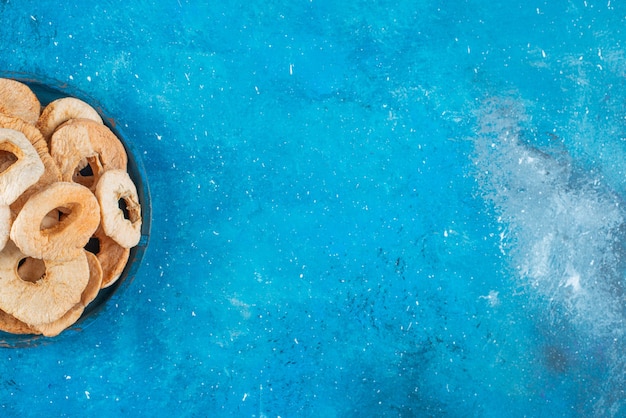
[60,111]
[124,226]
[24,171]
[47,299]
[89,294]
[17,99]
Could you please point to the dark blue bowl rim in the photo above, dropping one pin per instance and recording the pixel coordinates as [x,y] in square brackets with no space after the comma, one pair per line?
[48,90]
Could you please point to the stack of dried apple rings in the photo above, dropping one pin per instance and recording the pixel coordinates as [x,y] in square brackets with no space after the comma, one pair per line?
[63,184]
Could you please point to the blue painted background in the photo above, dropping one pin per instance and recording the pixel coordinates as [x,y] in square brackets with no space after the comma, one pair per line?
[321,245]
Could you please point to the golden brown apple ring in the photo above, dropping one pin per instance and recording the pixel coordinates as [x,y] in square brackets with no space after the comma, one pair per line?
[80,217]
[112,256]
[17,99]
[60,111]
[8,323]
[22,173]
[113,186]
[81,142]
[49,298]
[95,280]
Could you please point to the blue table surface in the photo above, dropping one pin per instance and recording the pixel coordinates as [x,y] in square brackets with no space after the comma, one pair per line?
[359,208]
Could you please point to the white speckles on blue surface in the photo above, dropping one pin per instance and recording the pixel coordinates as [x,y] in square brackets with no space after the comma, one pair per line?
[311,180]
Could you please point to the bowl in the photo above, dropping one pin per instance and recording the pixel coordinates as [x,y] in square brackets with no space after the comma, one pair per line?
[48,90]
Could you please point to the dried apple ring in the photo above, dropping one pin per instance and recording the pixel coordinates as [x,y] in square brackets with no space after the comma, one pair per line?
[30,132]
[51,175]
[69,150]
[17,99]
[8,323]
[5,225]
[112,257]
[51,171]
[124,226]
[61,110]
[79,218]
[79,143]
[32,270]
[95,280]
[22,168]
[47,299]
[89,294]
[24,171]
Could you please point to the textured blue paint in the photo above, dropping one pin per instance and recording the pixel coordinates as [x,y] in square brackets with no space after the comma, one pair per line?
[320,244]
